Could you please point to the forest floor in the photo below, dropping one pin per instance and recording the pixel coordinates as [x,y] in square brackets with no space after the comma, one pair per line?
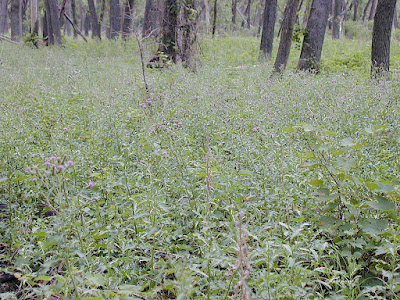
[220,181]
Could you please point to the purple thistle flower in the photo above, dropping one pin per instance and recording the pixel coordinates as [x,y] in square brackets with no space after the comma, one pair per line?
[36,124]
[65,129]
[141,161]
[91,183]
[60,167]
[149,101]
[256,128]
[164,152]
[180,123]
[144,105]
[34,179]
[28,169]
[70,162]
[242,214]
[47,163]
[53,157]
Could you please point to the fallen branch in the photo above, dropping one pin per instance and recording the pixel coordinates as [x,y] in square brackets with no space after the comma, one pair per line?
[2,37]
[73,25]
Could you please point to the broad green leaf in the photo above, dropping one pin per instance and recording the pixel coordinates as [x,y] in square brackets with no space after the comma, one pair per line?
[316,182]
[373,226]
[308,127]
[382,204]
[246,173]
[371,186]
[288,129]
[95,279]
[43,278]
[347,142]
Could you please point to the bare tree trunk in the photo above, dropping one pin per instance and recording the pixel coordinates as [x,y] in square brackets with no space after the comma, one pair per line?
[383,22]
[355,10]
[95,25]
[373,10]
[366,10]
[234,11]
[395,21]
[214,25]
[67,25]
[3,16]
[115,19]
[336,18]
[248,13]
[74,18]
[34,18]
[87,23]
[288,23]
[314,38]
[151,15]
[178,34]
[16,20]
[267,37]
[53,22]
[128,19]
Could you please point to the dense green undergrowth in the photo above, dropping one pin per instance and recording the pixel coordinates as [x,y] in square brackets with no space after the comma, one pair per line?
[221,180]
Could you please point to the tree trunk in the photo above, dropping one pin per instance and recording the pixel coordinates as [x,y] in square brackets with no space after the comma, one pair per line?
[34,18]
[355,10]
[87,23]
[151,15]
[366,10]
[248,14]
[95,25]
[214,25]
[128,19]
[234,11]
[336,18]
[74,18]
[373,10]
[115,19]
[395,21]
[267,37]
[288,23]
[53,22]
[383,22]
[314,38]
[16,20]
[178,34]
[67,25]
[3,16]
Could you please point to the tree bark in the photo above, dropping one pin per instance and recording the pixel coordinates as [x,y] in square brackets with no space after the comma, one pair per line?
[314,38]
[95,25]
[248,14]
[366,10]
[74,18]
[34,18]
[86,24]
[3,16]
[383,22]
[373,10]
[115,19]
[267,37]
[178,34]
[395,21]
[234,11]
[53,22]
[355,10]
[128,19]
[288,23]
[336,18]
[16,20]
[214,24]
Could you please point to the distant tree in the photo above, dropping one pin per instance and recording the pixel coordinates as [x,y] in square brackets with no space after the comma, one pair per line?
[128,19]
[153,16]
[268,27]
[337,16]
[234,11]
[288,23]
[355,10]
[16,19]
[178,33]
[115,19]
[74,17]
[53,22]
[314,37]
[95,25]
[214,21]
[372,11]
[383,22]
[3,16]
[34,18]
